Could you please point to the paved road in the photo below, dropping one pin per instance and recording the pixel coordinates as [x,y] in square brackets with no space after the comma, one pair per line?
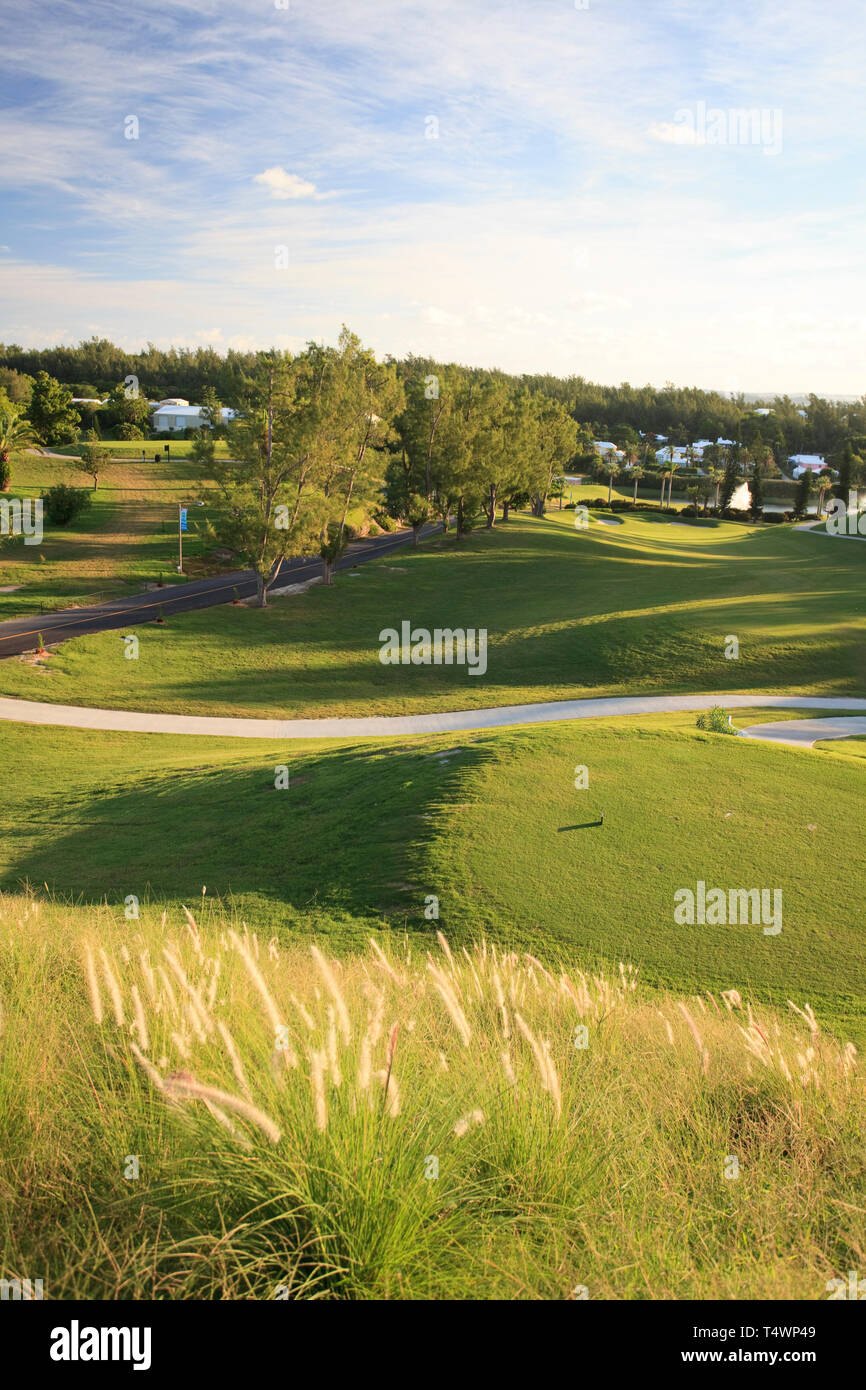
[803,733]
[459,721]
[22,634]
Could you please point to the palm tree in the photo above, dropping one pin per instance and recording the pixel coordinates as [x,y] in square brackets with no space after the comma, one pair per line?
[825,482]
[717,476]
[637,473]
[672,468]
[15,433]
[662,496]
[610,466]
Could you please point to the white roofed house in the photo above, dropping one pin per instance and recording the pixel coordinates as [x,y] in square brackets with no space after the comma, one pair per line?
[807,463]
[175,413]
[605,446]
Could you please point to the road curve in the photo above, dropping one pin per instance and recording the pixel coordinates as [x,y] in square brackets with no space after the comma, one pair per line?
[378,726]
[804,733]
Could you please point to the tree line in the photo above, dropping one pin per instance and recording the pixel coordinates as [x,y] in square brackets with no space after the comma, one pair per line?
[683,415]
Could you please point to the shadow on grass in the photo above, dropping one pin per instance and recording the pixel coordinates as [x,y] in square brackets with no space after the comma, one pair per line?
[346,839]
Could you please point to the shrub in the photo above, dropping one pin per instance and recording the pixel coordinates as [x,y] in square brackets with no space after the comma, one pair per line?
[126,430]
[777,516]
[716,721]
[64,503]
[386,522]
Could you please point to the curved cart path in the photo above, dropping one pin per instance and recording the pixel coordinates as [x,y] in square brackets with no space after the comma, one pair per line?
[377,726]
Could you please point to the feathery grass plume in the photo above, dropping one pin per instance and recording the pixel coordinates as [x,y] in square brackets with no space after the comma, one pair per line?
[392,1048]
[446,948]
[392,1093]
[336,993]
[235,1058]
[222,1118]
[848,1059]
[202,1022]
[537,963]
[732,998]
[318,1062]
[808,1016]
[169,989]
[147,1066]
[186,1087]
[693,1027]
[443,1061]
[139,1023]
[258,979]
[163,920]
[478,985]
[757,1044]
[273,950]
[500,1000]
[384,961]
[181,1044]
[365,1064]
[113,986]
[549,1079]
[149,978]
[666,1022]
[303,1011]
[333,1060]
[475,1117]
[193,930]
[93,983]
[376,1018]
[715,1005]
[508,1068]
[552,1078]
[581,997]
[443,985]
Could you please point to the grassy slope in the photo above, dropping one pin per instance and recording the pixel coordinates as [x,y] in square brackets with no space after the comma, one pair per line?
[598,1166]
[496,831]
[642,607]
[126,538]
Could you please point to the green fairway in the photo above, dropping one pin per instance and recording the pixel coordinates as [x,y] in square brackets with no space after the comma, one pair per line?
[125,539]
[646,606]
[491,824]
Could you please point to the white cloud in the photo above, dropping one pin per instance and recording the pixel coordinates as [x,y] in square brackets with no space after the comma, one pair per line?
[282,184]
[673,133]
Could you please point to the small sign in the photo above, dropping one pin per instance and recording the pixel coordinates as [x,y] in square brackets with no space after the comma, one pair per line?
[183,525]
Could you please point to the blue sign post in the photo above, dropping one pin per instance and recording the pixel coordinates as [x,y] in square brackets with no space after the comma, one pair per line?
[181,527]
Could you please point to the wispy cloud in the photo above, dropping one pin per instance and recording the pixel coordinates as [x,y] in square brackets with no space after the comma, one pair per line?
[490,182]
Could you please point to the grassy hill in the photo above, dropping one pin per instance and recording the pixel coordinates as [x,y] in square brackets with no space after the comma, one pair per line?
[645,606]
[195,1113]
[489,823]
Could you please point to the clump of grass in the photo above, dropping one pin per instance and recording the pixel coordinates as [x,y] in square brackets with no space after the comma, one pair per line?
[716,721]
[474,1123]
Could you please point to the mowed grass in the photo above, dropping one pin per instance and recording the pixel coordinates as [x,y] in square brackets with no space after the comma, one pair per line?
[125,539]
[489,824]
[393,1125]
[647,606]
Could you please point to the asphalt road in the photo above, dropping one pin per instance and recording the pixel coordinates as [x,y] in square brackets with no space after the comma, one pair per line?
[22,634]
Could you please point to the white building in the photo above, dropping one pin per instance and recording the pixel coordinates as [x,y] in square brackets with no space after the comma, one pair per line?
[803,463]
[605,446]
[177,414]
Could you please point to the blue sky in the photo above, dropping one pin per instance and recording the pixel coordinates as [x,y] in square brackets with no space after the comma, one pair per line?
[587,202]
